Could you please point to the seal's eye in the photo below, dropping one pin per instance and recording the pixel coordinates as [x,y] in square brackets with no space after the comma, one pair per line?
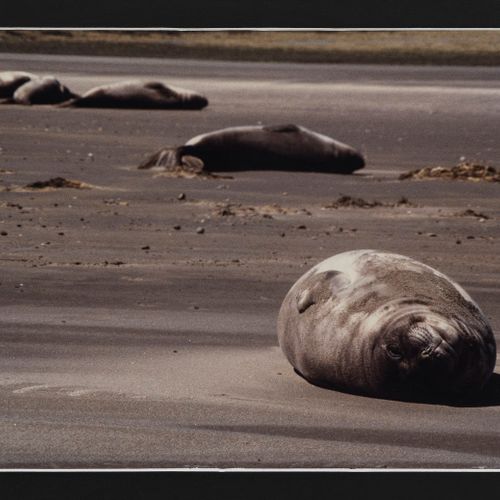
[394,351]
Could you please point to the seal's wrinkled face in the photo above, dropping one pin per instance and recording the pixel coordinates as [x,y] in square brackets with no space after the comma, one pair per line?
[419,357]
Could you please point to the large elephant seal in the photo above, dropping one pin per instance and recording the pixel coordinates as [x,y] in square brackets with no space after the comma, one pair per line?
[282,147]
[44,90]
[10,81]
[385,325]
[140,94]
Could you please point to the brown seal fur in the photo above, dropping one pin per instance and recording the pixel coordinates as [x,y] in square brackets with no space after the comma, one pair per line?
[44,90]
[139,94]
[282,147]
[385,325]
[10,81]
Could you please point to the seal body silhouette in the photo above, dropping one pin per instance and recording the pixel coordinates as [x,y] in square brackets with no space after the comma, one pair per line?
[10,81]
[44,90]
[382,324]
[281,147]
[140,94]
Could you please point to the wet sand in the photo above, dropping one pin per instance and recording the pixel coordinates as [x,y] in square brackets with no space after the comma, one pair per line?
[131,339]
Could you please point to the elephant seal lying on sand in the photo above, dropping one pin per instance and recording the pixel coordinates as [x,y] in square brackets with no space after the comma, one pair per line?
[385,325]
[139,94]
[282,147]
[10,81]
[45,90]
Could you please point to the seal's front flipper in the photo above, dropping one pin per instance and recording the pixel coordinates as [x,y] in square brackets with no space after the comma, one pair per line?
[319,287]
[169,158]
[192,164]
[174,158]
[72,101]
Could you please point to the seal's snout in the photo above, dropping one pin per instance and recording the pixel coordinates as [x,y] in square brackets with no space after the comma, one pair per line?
[437,349]
[432,370]
[427,352]
[357,160]
[196,102]
[203,102]
[353,160]
[427,362]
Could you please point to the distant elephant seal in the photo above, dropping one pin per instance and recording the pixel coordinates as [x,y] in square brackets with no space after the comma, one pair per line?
[45,90]
[10,81]
[282,147]
[140,94]
[382,324]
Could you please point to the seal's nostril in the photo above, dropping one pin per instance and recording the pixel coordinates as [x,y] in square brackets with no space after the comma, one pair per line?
[427,351]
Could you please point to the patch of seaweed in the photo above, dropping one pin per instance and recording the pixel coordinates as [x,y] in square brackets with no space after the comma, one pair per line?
[57,182]
[472,213]
[351,202]
[463,171]
[266,211]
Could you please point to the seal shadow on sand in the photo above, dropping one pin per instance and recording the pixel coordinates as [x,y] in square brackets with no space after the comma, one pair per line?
[489,396]
[486,444]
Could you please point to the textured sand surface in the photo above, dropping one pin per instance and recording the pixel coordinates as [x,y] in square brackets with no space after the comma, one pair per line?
[130,339]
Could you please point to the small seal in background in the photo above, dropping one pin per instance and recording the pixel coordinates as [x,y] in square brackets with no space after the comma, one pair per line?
[139,94]
[42,90]
[282,147]
[10,81]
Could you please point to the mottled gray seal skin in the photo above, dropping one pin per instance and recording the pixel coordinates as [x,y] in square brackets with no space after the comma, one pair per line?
[45,90]
[10,81]
[281,147]
[139,94]
[385,325]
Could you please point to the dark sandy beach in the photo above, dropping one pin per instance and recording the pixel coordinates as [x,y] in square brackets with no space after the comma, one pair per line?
[130,338]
